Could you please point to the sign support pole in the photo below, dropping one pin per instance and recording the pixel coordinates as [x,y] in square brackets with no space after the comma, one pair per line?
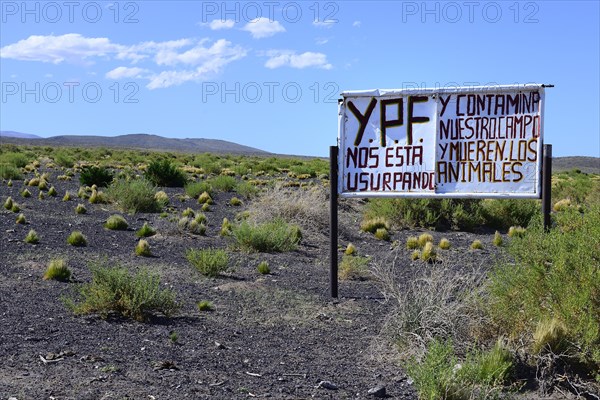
[333,220]
[547,185]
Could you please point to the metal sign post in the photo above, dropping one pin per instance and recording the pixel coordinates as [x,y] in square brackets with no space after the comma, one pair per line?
[547,186]
[333,220]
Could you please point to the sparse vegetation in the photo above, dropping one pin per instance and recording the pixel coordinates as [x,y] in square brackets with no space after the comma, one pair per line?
[209,262]
[99,176]
[77,239]
[373,224]
[164,173]
[116,223]
[8,203]
[136,195]
[80,209]
[424,238]
[354,268]
[263,268]
[497,241]
[444,244]
[516,231]
[146,231]
[428,253]
[113,290]
[58,270]
[21,219]
[350,250]
[476,244]
[274,236]
[205,305]
[143,248]
[32,237]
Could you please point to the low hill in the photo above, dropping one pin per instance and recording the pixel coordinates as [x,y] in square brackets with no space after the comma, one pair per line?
[589,165]
[18,135]
[139,141]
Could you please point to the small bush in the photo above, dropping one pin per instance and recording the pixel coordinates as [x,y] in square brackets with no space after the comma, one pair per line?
[188,212]
[209,262]
[205,207]
[225,228]
[9,183]
[116,223]
[354,268]
[41,195]
[58,270]
[26,193]
[205,305]
[263,268]
[162,198]
[115,290]
[43,185]
[67,196]
[382,234]
[21,219]
[246,189]
[99,176]
[424,238]
[163,173]
[415,255]
[52,191]
[371,225]
[235,202]
[497,241]
[81,193]
[8,171]
[15,207]
[195,189]
[223,183]
[8,203]
[274,236]
[134,196]
[444,244]
[32,237]
[97,197]
[350,250]
[33,182]
[549,336]
[516,231]
[80,209]
[205,198]
[200,218]
[77,239]
[63,159]
[146,231]
[143,248]
[196,228]
[428,254]
[476,245]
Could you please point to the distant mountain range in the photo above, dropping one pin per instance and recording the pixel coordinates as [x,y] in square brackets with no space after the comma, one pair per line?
[133,141]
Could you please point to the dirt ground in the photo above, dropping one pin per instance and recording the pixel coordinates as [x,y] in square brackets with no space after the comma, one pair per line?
[270,336]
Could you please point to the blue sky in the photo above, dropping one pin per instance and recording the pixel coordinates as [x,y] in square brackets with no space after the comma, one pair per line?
[268,74]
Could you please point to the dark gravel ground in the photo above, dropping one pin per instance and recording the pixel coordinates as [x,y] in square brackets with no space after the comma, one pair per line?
[270,336]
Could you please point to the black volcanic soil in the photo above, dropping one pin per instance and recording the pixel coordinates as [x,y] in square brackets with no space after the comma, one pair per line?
[270,336]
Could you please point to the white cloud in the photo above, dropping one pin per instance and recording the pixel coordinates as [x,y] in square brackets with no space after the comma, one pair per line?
[321,41]
[263,27]
[286,58]
[356,24]
[126,72]
[221,51]
[328,23]
[71,47]
[217,24]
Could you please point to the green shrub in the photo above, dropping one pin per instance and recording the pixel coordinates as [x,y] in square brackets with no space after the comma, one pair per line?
[133,196]
[67,196]
[434,373]
[113,290]
[350,249]
[497,241]
[26,193]
[32,237]
[428,254]
[209,262]
[246,189]
[58,270]
[205,207]
[195,189]
[16,160]
[15,207]
[188,212]
[424,238]
[274,236]
[162,198]
[235,202]
[476,245]
[444,244]
[63,159]
[223,183]
[164,173]
[41,195]
[8,171]
[196,227]
[146,231]
[205,305]
[263,268]
[116,223]
[205,198]
[371,225]
[9,183]
[354,268]
[52,191]
[516,231]
[8,203]
[502,213]
[43,185]
[77,239]
[225,228]
[21,219]
[80,209]
[550,294]
[415,255]
[382,234]
[143,248]
[99,176]
[97,197]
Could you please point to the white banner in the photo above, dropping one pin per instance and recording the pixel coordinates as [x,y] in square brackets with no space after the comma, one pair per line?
[461,142]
